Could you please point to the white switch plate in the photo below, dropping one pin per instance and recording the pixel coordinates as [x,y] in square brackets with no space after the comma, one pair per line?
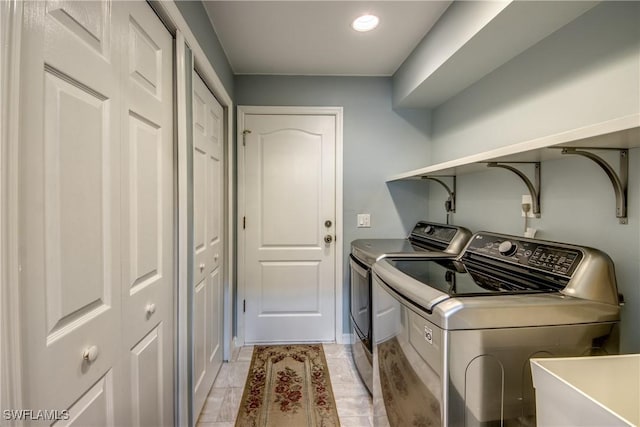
[364,220]
[526,198]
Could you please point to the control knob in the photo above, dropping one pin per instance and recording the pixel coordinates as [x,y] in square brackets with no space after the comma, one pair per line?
[507,248]
[429,229]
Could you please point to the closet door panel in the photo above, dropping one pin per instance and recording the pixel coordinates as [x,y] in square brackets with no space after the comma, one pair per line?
[208,184]
[147,212]
[70,209]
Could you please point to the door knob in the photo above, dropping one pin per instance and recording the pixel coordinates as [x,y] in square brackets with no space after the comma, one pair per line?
[328,238]
[201,267]
[90,354]
[150,309]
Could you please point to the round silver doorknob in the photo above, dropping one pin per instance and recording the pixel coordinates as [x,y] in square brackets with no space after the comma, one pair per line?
[328,238]
[90,354]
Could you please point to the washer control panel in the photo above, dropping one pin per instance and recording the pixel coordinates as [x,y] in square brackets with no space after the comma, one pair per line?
[537,254]
[431,231]
[439,237]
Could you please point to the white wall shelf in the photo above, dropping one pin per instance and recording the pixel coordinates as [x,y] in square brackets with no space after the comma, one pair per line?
[621,133]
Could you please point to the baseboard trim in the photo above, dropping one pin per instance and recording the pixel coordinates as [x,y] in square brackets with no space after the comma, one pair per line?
[345,339]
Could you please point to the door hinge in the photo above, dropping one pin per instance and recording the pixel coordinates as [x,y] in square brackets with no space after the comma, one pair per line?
[244,222]
[244,136]
[244,305]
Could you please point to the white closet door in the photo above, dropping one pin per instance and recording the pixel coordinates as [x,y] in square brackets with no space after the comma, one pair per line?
[208,210]
[70,210]
[147,214]
[89,256]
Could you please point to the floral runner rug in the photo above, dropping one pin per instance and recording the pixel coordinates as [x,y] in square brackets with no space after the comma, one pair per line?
[288,386]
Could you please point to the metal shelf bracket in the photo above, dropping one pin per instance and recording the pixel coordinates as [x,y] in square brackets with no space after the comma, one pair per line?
[619,181]
[534,189]
[450,204]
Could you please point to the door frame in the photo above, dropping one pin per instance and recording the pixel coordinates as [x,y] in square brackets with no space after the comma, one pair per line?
[10,333]
[337,113]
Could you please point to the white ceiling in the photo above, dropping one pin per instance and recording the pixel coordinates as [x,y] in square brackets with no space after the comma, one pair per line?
[315,37]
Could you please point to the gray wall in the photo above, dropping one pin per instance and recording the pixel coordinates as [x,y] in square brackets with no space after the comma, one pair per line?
[459,23]
[198,20]
[377,142]
[587,72]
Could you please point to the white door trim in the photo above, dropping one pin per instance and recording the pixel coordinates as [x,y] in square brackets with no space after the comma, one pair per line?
[10,347]
[182,246]
[337,112]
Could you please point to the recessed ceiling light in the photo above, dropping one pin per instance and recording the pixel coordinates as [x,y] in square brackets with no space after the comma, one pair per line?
[365,23]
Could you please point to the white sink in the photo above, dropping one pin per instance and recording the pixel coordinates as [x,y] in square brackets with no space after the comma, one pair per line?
[587,391]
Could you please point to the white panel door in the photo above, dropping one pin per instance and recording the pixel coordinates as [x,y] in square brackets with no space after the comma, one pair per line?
[96,192]
[289,210]
[147,213]
[70,210]
[208,184]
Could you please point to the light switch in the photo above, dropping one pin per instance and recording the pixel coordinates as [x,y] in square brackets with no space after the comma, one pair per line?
[364,220]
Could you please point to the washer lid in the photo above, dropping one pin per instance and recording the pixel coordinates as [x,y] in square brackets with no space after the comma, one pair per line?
[456,278]
[426,237]
[368,250]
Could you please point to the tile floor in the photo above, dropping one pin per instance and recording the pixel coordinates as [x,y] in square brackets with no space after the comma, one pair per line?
[352,400]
